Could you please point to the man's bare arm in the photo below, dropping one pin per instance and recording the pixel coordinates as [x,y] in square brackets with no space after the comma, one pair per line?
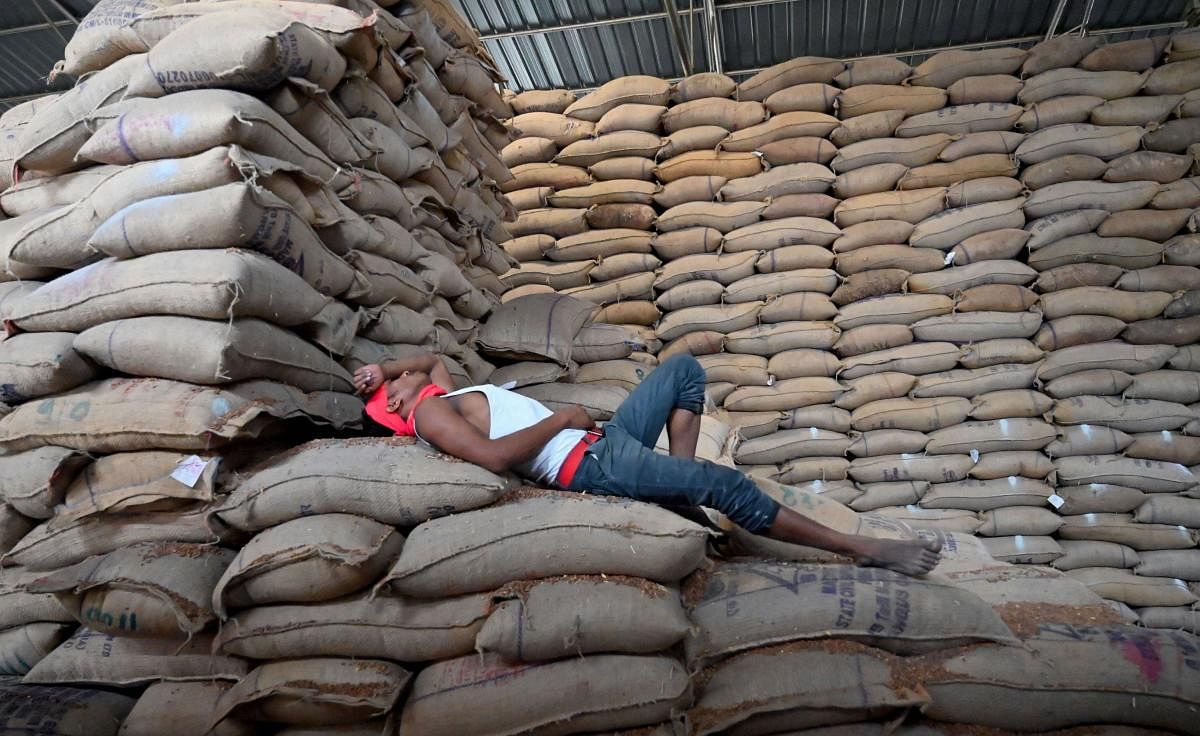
[430,363]
[446,429]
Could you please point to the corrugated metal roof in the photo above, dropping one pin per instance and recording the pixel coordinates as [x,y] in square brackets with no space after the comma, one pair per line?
[33,34]
[580,44]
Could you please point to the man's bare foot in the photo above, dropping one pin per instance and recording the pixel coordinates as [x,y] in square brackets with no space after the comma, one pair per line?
[911,557]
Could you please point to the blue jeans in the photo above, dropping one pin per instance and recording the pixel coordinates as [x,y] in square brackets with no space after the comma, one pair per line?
[624,463]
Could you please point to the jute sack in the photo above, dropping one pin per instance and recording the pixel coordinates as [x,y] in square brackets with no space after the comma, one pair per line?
[143,590]
[945,174]
[1077,329]
[1126,252]
[1150,476]
[1019,521]
[882,495]
[599,243]
[1161,278]
[1024,463]
[313,558]
[891,468]
[260,54]
[313,692]
[134,481]
[1183,564]
[767,689]
[881,124]
[886,442]
[918,414]
[734,368]
[34,483]
[217,285]
[890,256]
[554,276]
[1165,509]
[1024,549]
[558,223]
[798,178]
[1051,228]
[1127,415]
[689,189]
[52,137]
[211,352]
[721,216]
[986,189]
[1118,356]
[1169,617]
[780,127]
[1110,85]
[987,353]
[1010,403]
[1123,305]
[13,292]
[611,145]
[13,527]
[870,338]
[507,333]
[39,364]
[21,607]
[90,657]
[790,257]
[1171,447]
[1182,331]
[637,89]
[767,285]
[933,521]
[182,707]
[1168,385]
[962,119]
[1076,275]
[1164,168]
[869,179]
[802,149]
[215,117]
[883,70]
[948,228]
[690,294]
[685,242]
[531,150]
[1088,553]
[874,387]
[868,98]
[705,84]
[631,116]
[905,150]
[633,216]
[1122,529]
[913,206]
[599,400]
[966,327]
[998,298]
[62,711]
[784,394]
[393,481]
[967,383]
[569,617]
[801,362]
[558,128]
[608,192]
[432,562]
[874,232]
[538,100]
[22,647]
[945,68]
[915,359]
[776,337]
[446,696]
[1102,195]
[805,69]
[874,282]
[1183,250]
[984,88]
[1086,439]
[1144,110]
[974,144]
[789,444]
[1177,194]
[893,309]
[626,290]
[1135,589]
[1060,51]
[46,192]
[1101,141]
[256,220]
[719,111]
[119,414]
[1133,55]
[998,435]
[556,176]
[778,603]
[360,625]
[724,319]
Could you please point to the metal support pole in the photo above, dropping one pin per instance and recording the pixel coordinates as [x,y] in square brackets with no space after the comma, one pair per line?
[712,32]
[677,36]
[1056,19]
[65,11]
[579,26]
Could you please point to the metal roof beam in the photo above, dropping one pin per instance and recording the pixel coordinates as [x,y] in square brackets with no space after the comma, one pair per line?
[35,27]
[584,24]
[712,31]
[677,35]
[74,19]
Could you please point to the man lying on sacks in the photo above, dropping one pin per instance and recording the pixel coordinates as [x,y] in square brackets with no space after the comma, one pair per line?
[502,430]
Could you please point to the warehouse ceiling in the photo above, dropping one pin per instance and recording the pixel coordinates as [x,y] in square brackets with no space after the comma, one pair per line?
[580,44]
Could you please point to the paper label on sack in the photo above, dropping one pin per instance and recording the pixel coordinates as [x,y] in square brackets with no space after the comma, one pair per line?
[974,455]
[189,470]
[1056,500]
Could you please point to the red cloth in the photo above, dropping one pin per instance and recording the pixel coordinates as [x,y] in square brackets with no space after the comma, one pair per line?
[377,409]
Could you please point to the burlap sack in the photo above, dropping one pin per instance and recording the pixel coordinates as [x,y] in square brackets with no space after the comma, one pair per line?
[314,558]
[768,689]
[143,590]
[1000,435]
[90,657]
[39,364]
[569,617]
[211,352]
[122,414]
[182,707]
[135,481]
[1122,529]
[507,333]
[313,692]
[434,556]
[61,711]
[931,468]
[384,626]
[477,695]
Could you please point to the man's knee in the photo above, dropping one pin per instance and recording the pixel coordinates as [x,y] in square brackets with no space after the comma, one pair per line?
[689,379]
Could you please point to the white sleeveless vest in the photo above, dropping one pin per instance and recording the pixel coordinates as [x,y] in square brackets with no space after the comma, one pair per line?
[512,412]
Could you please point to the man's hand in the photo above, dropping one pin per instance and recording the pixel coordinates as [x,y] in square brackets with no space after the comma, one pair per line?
[576,417]
[368,379]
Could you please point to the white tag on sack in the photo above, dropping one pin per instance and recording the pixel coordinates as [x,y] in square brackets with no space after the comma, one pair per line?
[189,470]
[974,455]
[949,258]
[1056,500]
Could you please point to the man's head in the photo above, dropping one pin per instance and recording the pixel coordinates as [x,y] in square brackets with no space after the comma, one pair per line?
[401,391]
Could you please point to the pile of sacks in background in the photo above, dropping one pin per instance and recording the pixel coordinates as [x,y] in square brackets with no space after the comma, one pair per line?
[962,295]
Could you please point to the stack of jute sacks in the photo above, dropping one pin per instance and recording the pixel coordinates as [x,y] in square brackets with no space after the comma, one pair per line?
[960,295]
[203,241]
